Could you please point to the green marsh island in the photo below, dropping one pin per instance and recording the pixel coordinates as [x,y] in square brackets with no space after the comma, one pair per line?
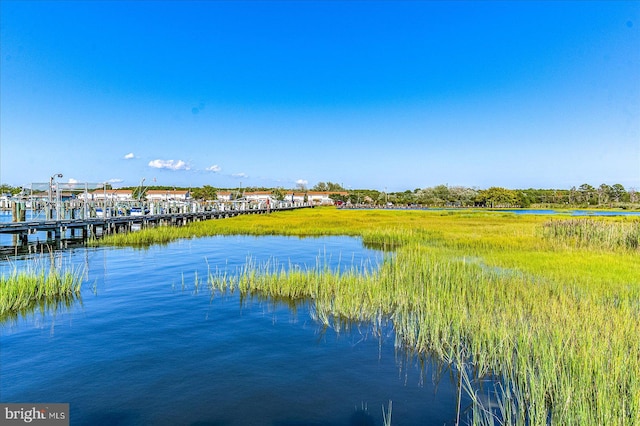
[38,286]
[547,306]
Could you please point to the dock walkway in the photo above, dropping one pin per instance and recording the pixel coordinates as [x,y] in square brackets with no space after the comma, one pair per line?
[97,226]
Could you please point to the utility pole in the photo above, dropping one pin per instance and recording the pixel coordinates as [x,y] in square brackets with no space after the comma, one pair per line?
[50,200]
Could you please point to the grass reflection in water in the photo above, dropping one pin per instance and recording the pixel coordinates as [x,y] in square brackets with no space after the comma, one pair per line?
[38,287]
[559,331]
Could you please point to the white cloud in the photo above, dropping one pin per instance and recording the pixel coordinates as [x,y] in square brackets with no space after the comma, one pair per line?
[302,182]
[215,168]
[240,175]
[115,180]
[129,156]
[169,164]
[69,184]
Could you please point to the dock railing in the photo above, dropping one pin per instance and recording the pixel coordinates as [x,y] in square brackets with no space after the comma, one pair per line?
[41,221]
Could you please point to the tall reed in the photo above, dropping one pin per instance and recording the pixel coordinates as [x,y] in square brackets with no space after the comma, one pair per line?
[557,322]
[530,332]
[595,233]
[22,290]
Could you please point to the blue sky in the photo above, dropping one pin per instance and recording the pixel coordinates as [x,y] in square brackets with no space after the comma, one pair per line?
[383,95]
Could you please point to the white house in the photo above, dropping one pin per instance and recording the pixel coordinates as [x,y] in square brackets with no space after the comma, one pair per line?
[224,196]
[109,195]
[313,197]
[5,202]
[258,196]
[127,195]
[167,195]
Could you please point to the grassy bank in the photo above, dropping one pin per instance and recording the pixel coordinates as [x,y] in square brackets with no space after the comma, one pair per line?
[22,291]
[556,320]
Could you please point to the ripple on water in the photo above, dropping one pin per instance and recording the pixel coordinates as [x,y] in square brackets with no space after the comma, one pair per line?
[139,350]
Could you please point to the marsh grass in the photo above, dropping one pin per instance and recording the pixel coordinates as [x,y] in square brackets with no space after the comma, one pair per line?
[608,235]
[142,238]
[557,323]
[22,291]
[531,332]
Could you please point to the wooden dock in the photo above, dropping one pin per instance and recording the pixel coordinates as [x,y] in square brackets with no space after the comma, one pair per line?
[75,229]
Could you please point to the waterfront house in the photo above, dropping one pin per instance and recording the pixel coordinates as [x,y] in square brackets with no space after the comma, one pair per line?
[224,195]
[116,195]
[318,198]
[259,196]
[167,195]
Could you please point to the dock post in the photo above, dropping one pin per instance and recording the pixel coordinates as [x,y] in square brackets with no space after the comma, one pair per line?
[72,213]
[18,211]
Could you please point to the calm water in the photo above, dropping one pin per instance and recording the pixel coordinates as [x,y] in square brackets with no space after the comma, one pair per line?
[7,239]
[145,348]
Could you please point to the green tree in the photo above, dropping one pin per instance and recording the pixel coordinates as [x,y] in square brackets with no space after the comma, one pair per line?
[573,195]
[404,198]
[425,197]
[618,193]
[365,196]
[523,200]
[206,193]
[196,194]
[278,194]
[8,189]
[328,187]
[441,194]
[497,197]
[320,186]
[462,196]
[586,193]
[604,191]
[334,187]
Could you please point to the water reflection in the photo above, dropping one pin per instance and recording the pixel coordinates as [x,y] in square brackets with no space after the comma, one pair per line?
[413,368]
[48,307]
[40,247]
[44,283]
[383,247]
[151,344]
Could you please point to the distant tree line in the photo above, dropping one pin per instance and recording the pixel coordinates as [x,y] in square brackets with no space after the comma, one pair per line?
[436,196]
[459,196]
[9,190]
